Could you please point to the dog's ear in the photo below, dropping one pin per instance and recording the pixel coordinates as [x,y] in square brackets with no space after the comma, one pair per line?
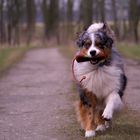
[79,39]
[104,26]
[85,27]
[108,31]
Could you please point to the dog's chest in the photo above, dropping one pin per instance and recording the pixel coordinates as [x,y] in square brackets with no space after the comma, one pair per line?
[100,81]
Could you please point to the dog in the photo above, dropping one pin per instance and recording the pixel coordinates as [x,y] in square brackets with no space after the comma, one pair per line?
[100,77]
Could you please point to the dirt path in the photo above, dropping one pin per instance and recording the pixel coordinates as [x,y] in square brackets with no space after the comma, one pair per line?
[132,96]
[36,98]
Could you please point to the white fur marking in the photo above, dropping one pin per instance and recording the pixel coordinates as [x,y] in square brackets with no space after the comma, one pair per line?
[113,102]
[108,112]
[92,48]
[107,124]
[101,127]
[95,27]
[90,133]
[101,81]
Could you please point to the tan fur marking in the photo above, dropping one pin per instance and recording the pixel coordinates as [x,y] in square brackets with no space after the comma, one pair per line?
[104,54]
[82,53]
[98,118]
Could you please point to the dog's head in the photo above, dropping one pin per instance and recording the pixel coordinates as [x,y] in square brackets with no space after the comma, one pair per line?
[95,43]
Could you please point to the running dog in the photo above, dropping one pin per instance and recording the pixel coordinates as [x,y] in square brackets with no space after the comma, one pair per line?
[99,74]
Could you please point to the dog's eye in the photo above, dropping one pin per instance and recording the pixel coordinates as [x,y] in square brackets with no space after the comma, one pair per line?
[87,43]
[99,43]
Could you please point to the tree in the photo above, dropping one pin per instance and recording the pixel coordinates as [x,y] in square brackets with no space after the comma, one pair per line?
[134,17]
[14,14]
[69,17]
[95,10]
[115,18]
[45,14]
[50,11]
[69,10]
[30,18]
[2,23]
[101,5]
[86,12]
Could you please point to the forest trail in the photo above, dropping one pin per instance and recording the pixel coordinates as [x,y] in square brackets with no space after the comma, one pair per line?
[36,97]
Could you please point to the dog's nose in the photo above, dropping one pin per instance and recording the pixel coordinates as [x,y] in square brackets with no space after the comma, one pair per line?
[93,53]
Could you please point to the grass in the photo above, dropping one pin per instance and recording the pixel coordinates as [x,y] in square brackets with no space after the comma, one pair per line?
[126,126]
[68,51]
[10,56]
[129,50]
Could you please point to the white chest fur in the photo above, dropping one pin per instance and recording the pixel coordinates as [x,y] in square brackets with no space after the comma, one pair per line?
[99,80]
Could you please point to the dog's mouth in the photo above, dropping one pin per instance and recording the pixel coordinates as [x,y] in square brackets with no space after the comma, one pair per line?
[93,60]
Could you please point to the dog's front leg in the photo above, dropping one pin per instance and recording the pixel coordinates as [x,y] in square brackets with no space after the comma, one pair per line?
[86,112]
[86,117]
[113,103]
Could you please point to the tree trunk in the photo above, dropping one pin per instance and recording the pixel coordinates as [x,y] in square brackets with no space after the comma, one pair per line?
[51,18]
[134,17]
[101,5]
[69,18]
[13,15]
[2,23]
[86,12]
[31,15]
[44,7]
[115,19]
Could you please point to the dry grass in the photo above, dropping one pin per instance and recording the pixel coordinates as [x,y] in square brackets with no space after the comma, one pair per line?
[129,50]
[10,56]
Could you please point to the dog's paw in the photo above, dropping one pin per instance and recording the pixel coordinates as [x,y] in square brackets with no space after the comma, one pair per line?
[101,128]
[107,114]
[108,124]
[89,133]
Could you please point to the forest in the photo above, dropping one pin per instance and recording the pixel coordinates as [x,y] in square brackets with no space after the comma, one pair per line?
[26,21]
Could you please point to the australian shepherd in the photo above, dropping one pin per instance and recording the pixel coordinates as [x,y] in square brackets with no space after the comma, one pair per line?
[99,74]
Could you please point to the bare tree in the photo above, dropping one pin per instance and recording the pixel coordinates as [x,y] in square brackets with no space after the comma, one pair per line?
[14,14]
[31,16]
[69,10]
[115,18]
[69,17]
[2,23]
[101,5]
[86,12]
[134,17]
[50,11]
[45,13]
